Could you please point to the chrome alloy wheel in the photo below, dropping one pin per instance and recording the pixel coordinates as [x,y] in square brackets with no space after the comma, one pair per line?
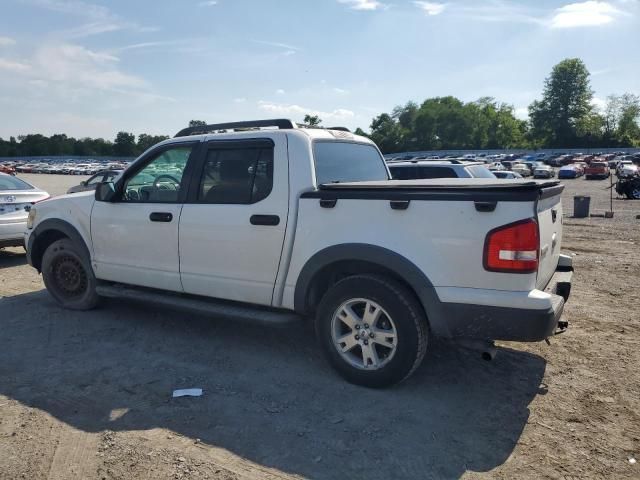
[364,334]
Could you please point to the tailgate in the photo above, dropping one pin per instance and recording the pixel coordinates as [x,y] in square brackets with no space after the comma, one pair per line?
[549,211]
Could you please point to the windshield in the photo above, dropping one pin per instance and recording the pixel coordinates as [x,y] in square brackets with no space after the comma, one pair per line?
[13,183]
[480,171]
[338,162]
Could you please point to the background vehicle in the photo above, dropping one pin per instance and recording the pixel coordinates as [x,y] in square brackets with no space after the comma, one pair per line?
[506,174]
[438,169]
[629,186]
[521,168]
[544,171]
[597,170]
[569,171]
[626,168]
[7,169]
[16,196]
[282,224]
[92,183]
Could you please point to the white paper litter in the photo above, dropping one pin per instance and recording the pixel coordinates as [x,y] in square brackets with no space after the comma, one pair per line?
[187,392]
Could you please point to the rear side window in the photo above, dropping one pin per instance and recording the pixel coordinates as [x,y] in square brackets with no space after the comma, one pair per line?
[403,173]
[237,176]
[480,171]
[338,162]
[437,172]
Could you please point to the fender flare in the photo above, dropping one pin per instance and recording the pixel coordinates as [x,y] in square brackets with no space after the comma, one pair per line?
[34,248]
[383,257]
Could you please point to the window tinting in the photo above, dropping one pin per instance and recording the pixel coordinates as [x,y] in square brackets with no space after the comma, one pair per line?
[480,171]
[237,176]
[348,162]
[419,171]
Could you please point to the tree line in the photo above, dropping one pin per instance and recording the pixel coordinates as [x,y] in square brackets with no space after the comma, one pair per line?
[564,117]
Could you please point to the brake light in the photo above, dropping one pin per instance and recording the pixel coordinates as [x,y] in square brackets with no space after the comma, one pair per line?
[513,248]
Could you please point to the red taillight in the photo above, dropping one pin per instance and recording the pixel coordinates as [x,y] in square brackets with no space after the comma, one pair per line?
[513,248]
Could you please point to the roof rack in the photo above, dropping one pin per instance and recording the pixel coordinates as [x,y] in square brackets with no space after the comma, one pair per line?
[451,161]
[280,123]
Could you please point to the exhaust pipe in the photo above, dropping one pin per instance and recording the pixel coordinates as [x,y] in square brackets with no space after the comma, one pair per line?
[487,348]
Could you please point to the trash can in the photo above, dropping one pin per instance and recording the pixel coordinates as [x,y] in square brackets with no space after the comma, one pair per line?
[581,206]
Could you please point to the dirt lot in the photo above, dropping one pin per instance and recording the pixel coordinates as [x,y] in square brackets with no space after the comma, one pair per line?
[88,395]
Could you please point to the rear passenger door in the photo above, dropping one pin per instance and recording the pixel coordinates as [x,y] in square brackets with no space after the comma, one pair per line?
[232,227]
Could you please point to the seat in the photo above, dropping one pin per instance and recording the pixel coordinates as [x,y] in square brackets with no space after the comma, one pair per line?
[234,183]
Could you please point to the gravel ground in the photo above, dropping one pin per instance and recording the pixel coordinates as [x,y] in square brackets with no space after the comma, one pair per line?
[87,395]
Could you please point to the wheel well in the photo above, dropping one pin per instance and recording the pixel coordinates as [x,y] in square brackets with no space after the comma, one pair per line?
[42,243]
[331,274]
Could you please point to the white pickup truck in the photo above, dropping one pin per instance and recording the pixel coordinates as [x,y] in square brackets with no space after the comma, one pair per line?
[273,222]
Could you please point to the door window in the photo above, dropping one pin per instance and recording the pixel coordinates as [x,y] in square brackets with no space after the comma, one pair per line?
[96,179]
[237,175]
[160,181]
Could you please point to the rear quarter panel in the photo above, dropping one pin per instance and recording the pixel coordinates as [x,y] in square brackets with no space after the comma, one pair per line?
[445,239]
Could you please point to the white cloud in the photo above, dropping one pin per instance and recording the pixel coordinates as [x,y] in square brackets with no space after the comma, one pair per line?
[240,100]
[584,14]
[280,91]
[340,91]
[282,109]
[6,41]
[431,8]
[13,66]
[208,3]
[78,67]
[363,4]
[599,103]
[289,49]
[98,17]
[522,113]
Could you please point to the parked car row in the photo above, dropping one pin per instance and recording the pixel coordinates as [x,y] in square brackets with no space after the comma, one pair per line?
[67,168]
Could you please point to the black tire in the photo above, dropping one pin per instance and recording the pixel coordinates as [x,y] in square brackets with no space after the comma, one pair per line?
[68,276]
[408,319]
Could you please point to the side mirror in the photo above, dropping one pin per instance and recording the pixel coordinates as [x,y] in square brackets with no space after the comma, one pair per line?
[83,183]
[105,192]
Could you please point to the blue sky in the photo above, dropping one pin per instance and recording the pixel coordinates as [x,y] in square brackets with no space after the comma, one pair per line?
[92,68]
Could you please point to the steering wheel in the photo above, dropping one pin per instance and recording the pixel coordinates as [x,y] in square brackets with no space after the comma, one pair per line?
[156,182]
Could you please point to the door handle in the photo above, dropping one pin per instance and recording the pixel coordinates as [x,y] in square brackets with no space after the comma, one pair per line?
[270,220]
[161,217]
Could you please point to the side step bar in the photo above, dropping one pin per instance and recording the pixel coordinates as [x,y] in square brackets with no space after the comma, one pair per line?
[200,305]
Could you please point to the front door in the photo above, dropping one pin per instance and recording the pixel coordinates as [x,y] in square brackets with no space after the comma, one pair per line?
[232,228]
[135,239]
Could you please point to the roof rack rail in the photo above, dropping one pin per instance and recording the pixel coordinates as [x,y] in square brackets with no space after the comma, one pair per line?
[280,123]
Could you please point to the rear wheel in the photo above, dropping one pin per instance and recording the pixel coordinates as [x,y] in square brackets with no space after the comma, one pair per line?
[372,330]
[68,276]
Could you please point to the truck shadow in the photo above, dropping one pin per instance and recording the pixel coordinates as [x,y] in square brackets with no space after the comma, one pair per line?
[12,258]
[268,396]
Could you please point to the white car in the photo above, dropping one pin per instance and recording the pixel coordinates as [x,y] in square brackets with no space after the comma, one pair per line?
[544,171]
[288,224]
[16,197]
[496,166]
[521,168]
[626,168]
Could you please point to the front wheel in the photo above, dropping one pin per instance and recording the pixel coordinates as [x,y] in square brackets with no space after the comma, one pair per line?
[68,276]
[372,330]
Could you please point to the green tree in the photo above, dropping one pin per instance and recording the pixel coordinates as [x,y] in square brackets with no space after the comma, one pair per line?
[565,104]
[146,141]
[124,144]
[197,123]
[312,120]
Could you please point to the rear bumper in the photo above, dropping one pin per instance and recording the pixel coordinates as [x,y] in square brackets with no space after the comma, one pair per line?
[511,323]
[12,233]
